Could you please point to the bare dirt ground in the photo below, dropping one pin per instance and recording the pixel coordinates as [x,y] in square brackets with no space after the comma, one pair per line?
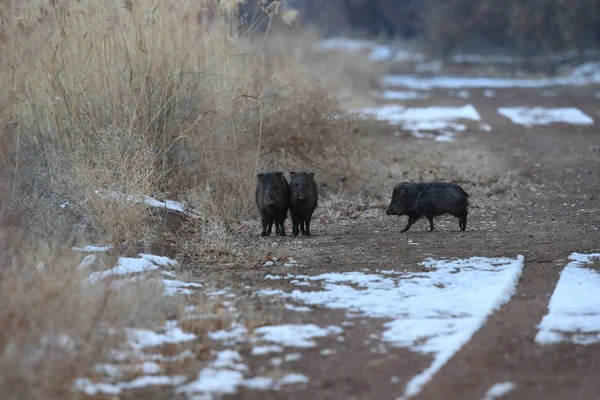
[534,191]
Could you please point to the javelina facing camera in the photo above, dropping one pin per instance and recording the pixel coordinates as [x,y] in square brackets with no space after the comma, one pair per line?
[271,198]
[431,200]
[303,201]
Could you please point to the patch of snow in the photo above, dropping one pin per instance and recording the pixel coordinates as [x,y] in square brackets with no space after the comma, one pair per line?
[433,312]
[378,52]
[295,335]
[229,336]
[327,352]
[418,119]
[90,249]
[485,127]
[498,390]
[259,383]
[299,283]
[489,93]
[173,287]
[268,264]
[293,379]
[292,357]
[159,260]
[224,376]
[91,388]
[583,75]
[87,261]
[211,380]
[262,350]
[268,292]
[432,67]
[229,359]
[346,44]
[115,370]
[128,265]
[142,338]
[407,56]
[146,200]
[125,265]
[292,307]
[400,95]
[573,318]
[545,116]
[463,94]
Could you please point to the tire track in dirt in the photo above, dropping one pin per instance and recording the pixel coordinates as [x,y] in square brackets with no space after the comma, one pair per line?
[504,349]
[529,219]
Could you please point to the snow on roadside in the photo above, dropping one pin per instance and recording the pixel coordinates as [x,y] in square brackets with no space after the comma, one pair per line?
[92,388]
[574,318]
[498,390]
[140,339]
[377,52]
[225,374]
[400,95]
[145,263]
[584,74]
[295,335]
[148,201]
[125,265]
[529,116]
[417,119]
[90,249]
[433,312]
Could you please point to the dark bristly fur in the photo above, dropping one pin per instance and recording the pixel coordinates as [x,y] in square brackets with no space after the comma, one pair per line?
[272,201]
[303,201]
[430,199]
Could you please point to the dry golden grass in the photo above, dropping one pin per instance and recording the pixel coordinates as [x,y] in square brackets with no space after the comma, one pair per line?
[138,98]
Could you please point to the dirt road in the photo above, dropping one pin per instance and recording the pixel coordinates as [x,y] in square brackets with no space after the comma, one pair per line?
[534,192]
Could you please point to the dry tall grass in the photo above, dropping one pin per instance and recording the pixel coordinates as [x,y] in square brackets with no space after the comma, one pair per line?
[133,97]
[139,98]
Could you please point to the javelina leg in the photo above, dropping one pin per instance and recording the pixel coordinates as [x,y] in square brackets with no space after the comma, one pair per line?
[277,230]
[264,227]
[462,222]
[302,226]
[295,223]
[411,220]
[281,227]
[269,226]
[307,226]
[430,218]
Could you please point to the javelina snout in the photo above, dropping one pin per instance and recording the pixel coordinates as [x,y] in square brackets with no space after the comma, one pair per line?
[271,197]
[430,200]
[303,196]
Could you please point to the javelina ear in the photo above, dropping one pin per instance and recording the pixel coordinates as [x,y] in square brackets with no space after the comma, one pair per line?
[402,192]
[311,175]
[292,173]
[279,174]
[260,176]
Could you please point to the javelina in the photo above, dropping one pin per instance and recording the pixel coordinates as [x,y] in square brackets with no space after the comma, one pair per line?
[431,200]
[271,198]
[303,200]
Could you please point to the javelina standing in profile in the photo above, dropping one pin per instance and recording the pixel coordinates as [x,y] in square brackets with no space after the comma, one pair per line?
[303,200]
[431,200]
[271,198]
